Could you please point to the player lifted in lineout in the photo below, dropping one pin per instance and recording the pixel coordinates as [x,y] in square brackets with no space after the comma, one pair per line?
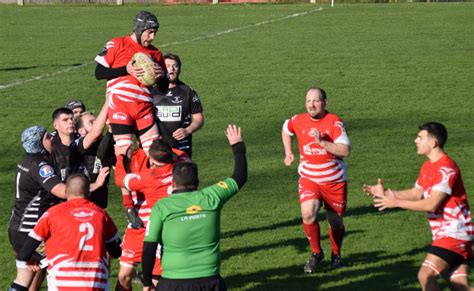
[130,108]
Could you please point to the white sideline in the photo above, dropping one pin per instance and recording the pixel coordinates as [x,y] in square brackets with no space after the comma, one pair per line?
[21,82]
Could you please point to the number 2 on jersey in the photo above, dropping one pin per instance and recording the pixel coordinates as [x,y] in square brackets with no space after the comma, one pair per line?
[89,232]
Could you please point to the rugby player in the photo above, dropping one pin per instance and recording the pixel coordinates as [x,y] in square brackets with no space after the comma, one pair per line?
[35,179]
[179,111]
[77,234]
[130,106]
[323,144]
[439,190]
[145,181]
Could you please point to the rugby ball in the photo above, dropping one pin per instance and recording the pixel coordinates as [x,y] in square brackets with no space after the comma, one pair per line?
[142,60]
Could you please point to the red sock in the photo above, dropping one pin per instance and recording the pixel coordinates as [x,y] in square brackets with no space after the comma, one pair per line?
[313,234]
[336,236]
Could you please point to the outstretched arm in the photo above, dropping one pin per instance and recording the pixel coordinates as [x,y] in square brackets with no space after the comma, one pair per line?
[287,139]
[234,135]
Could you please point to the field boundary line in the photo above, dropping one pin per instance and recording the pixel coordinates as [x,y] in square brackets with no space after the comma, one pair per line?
[230,30]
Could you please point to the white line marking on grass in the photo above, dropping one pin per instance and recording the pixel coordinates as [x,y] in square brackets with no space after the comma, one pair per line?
[21,82]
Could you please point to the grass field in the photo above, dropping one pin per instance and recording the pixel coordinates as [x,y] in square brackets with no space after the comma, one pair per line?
[386,68]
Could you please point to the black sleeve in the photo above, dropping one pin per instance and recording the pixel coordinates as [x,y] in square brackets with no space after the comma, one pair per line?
[102,72]
[28,249]
[114,249]
[105,151]
[148,261]
[240,164]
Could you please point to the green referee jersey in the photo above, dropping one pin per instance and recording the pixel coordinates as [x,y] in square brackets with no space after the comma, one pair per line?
[188,227]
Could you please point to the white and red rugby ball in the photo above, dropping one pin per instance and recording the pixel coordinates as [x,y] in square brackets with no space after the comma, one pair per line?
[142,60]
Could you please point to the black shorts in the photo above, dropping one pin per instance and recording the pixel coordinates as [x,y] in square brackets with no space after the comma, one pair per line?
[214,283]
[453,259]
[17,240]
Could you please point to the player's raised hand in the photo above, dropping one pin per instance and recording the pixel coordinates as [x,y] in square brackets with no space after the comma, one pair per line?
[384,202]
[374,190]
[134,71]
[158,71]
[289,158]
[234,134]
[103,173]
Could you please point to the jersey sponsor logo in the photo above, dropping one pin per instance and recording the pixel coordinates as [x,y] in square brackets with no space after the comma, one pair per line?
[176,100]
[83,214]
[223,185]
[120,116]
[193,217]
[169,113]
[46,171]
[193,209]
[311,150]
[128,253]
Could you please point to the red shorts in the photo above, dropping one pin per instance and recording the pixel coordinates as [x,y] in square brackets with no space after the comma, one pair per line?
[461,247]
[132,249]
[334,195]
[138,114]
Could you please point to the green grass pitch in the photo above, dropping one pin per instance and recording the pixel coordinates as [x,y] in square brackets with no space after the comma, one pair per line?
[386,67]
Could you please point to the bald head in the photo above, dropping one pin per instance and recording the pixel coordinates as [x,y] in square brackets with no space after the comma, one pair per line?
[77,186]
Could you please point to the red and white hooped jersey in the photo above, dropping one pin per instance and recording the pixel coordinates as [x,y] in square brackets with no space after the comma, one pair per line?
[75,233]
[453,216]
[117,53]
[316,164]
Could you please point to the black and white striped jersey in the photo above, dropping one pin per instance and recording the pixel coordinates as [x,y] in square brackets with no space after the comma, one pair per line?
[33,182]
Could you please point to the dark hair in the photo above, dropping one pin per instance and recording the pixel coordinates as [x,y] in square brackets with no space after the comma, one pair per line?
[161,151]
[61,110]
[321,91]
[78,122]
[81,189]
[186,175]
[174,58]
[437,131]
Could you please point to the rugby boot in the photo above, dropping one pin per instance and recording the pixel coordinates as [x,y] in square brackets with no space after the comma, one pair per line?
[314,261]
[336,261]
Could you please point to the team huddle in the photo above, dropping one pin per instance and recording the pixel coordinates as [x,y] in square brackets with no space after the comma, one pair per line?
[59,222]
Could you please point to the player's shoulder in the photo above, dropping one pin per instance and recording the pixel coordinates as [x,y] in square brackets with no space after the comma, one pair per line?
[333,117]
[299,117]
[446,162]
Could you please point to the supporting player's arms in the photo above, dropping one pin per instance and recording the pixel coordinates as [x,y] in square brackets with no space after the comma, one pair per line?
[148,261]
[102,72]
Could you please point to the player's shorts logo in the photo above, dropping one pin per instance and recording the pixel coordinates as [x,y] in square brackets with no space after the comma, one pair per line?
[193,209]
[120,116]
[306,194]
[46,171]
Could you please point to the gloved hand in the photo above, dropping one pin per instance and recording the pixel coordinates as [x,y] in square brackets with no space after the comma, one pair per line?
[133,219]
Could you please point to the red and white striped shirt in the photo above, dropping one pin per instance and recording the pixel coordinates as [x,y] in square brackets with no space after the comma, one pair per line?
[75,233]
[316,164]
[117,53]
[453,217]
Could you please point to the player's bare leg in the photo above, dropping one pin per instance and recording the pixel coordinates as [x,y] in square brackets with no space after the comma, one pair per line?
[147,138]
[336,236]
[309,213]
[459,280]
[432,267]
[37,280]
[124,278]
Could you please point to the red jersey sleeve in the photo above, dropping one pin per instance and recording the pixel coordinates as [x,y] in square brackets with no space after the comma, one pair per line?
[444,180]
[108,54]
[42,230]
[288,126]
[133,181]
[338,134]
[119,171]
